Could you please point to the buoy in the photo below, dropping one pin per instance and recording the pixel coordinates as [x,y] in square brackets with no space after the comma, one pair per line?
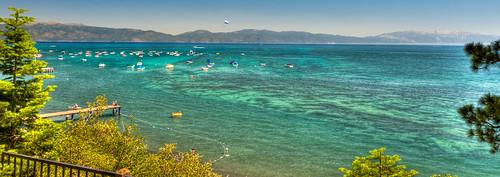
[176,114]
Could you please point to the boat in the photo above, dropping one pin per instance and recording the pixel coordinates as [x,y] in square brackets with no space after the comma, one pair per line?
[289,65]
[176,114]
[263,65]
[60,57]
[169,66]
[84,60]
[140,68]
[102,65]
[210,63]
[204,69]
[38,55]
[234,63]
[189,61]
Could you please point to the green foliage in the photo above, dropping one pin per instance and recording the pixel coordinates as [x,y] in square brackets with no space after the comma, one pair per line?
[377,164]
[41,138]
[483,119]
[101,144]
[483,56]
[22,93]
[168,163]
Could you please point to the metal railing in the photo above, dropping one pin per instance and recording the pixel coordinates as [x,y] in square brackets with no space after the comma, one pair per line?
[24,165]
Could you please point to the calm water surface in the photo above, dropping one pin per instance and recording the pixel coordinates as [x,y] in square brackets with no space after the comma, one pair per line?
[338,101]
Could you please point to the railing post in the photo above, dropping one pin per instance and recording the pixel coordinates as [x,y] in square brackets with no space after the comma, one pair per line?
[15,159]
[21,168]
[34,167]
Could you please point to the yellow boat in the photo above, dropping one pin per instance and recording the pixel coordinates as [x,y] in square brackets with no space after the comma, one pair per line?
[176,114]
[169,66]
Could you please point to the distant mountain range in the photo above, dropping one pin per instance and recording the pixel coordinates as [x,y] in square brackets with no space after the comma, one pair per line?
[82,33]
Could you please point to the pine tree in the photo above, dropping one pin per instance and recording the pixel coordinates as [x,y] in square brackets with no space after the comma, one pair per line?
[483,119]
[22,93]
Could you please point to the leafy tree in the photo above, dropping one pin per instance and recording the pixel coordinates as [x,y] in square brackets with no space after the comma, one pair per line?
[169,163]
[101,144]
[377,164]
[41,139]
[483,119]
[22,93]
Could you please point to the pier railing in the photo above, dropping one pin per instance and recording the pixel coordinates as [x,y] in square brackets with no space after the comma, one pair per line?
[24,165]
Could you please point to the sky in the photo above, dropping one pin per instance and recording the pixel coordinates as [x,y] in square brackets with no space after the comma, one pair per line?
[344,17]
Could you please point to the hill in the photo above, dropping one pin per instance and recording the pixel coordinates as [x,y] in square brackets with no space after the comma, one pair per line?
[83,33]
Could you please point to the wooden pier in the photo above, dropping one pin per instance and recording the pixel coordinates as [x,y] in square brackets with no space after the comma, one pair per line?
[71,113]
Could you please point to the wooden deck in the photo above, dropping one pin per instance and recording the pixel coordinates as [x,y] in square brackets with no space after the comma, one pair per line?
[116,109]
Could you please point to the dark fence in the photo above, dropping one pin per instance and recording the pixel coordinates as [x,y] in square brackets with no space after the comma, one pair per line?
[23,165]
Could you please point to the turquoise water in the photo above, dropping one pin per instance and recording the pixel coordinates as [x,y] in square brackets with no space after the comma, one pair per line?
[338,101]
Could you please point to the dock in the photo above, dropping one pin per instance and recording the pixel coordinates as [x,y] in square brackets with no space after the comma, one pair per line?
[71,113]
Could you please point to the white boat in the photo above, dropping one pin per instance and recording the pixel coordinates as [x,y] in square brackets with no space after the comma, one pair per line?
[84,60]
[60,58]
[204,69]
[102,65]
[263,65]
[289,65]
[140,68]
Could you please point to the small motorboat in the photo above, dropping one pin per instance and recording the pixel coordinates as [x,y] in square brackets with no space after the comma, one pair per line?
[190,61]
[176,114]
[204,69]
[60,57]
[169,66]
[102,65]
[210,63]
[140,68]
[139,63]
[289,65]
[234,63]
[84,60]
[263,65]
